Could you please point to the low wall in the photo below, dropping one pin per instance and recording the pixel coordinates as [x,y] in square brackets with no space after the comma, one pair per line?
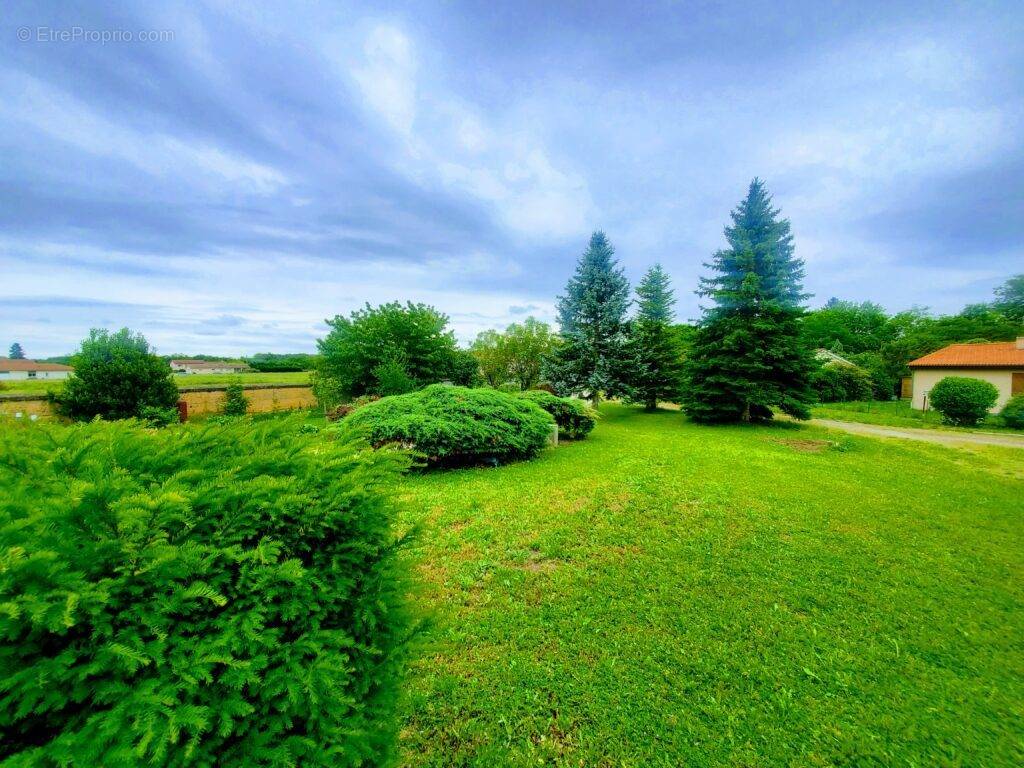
[201,401]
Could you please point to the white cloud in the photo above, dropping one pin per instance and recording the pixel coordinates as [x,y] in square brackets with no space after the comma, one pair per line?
[387,77]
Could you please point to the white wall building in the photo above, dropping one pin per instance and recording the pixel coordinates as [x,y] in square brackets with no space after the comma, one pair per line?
[207,366]
[1000,363]
[11,368]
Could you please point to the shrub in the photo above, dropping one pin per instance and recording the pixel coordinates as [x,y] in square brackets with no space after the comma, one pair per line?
[340,412]
[575,418]
[392,378]
[116,376]
[210,595]
[454,425]
[160,417]
[963,401]
[1013,412]
[235,401]
[836,383]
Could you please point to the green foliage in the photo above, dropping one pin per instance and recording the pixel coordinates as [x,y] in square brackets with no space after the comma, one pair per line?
[463,369]
[414,335]
[837,383]
[845,327]
[574,417]
[515,355]
[159,417]
[274,363]
[210,595]
[592,315]
[235,401]
[16,353]
[326,390]
[454,425]
[392,379]
[747,356]
[116,376]
[655,298]
[1010,298]
[1013,412]
[962,401]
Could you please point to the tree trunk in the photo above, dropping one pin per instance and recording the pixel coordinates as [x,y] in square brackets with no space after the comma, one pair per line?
[652,405]
[595,399]
[746,412]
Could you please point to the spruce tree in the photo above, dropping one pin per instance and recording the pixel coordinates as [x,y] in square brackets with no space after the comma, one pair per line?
[655,357]
[747,354]
[591,315]
[16,353]
[655,297]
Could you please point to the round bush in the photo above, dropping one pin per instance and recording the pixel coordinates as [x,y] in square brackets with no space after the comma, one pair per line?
[204,595]
[1013,412]
[575,418]
[962,401]
[455,425]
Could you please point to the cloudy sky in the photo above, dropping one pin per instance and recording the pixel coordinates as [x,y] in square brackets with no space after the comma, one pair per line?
[232,175]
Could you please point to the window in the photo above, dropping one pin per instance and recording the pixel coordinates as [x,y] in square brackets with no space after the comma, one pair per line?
[1017,383]
[31,374]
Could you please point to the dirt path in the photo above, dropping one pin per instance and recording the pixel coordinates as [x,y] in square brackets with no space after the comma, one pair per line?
[927,435]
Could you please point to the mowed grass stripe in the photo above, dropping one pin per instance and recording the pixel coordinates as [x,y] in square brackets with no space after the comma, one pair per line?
[669,594]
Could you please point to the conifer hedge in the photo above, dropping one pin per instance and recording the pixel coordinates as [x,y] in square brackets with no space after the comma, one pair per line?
[209,595]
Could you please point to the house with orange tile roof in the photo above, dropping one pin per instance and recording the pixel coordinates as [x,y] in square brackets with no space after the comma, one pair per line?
[16,368]
[1000,363]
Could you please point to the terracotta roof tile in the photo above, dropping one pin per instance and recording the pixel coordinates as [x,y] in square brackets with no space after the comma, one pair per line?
[1003,354]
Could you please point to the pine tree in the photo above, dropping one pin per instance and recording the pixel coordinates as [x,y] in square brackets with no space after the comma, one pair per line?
[591,315]
[16,353]
[654,296]
[747,355]
[655,357]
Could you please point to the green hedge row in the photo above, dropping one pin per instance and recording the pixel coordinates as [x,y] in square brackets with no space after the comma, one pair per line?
[575,418]
[211,595]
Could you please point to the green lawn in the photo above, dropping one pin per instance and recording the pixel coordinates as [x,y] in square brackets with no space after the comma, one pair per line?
[895,413]
[194,380]
[664,594]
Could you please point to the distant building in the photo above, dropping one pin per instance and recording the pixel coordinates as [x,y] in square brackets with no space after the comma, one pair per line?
[1000,363]
[825,356]
[13,368]
[207,366]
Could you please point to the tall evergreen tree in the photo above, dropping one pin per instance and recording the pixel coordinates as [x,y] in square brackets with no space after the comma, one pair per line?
[16,353]
[591,315]
[747,356]
[654,353]
[655,297]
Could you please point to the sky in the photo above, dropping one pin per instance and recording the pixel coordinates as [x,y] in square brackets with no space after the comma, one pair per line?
[223,176]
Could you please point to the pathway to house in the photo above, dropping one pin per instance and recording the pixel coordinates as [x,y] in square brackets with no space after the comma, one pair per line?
[927,435]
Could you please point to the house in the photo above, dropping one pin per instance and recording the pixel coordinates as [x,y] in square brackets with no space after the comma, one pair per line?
[1001,363]
[826,356]
[12,368]
[207,366]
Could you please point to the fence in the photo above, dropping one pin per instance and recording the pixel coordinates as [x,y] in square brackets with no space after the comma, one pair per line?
[199,401]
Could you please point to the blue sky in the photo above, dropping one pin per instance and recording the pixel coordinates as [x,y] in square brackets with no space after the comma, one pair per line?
[254,169]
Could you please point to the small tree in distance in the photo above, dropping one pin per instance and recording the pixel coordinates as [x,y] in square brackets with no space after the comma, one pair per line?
[592,317]
[117,376]
[655,359]
[16,353]
[235,401]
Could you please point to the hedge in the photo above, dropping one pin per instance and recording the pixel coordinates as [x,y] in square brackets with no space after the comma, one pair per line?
[454,425]
[963,401]
[575,418]
[1013,412]
[208,595]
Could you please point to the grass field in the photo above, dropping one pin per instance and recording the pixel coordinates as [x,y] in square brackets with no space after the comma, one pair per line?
[895,413]
[25,386]
[664,594]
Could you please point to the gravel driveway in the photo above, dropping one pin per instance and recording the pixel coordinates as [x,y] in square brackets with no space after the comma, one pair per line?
[942,437]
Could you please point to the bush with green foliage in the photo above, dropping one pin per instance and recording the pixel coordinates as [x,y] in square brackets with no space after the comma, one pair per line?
[455,425]
[838,383]
[210,595]
[574,417]
[1013,412]
[116,376]
[962,401]
[414,336]
[235,401]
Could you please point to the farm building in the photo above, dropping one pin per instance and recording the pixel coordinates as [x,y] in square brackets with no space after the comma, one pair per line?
[207,366]
[11,368]
[1001,363]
